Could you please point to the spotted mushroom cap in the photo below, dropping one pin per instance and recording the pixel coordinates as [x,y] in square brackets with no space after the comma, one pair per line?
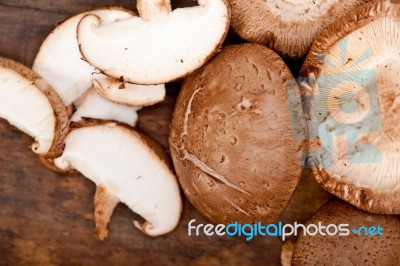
[353,249]
[231,136]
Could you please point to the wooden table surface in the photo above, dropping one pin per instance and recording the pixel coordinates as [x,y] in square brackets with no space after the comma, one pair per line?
[47,218]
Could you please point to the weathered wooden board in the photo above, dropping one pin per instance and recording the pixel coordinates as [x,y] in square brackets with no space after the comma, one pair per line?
[47,219]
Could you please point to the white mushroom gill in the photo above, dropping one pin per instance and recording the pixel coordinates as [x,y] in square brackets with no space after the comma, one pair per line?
[118,160]
[25,106]
[291,11]
[358,97]
[287,26]
[158,50]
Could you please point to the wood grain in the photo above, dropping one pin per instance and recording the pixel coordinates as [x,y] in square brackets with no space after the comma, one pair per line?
[47,218]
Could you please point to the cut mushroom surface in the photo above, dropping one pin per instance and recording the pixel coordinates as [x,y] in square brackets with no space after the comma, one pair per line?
[32,106]
[128,93]
[362,244]
[231,136]
[160,45]
[288,27]
[125,169]
[61,64]
[92,105]
[352,71]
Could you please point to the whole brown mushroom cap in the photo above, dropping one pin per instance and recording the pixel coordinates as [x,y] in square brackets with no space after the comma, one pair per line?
[231,136]
[288,27]
[352,249]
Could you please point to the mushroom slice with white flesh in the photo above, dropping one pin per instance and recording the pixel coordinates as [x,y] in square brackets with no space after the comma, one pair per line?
[92,105]
[60,63]
[128,93]
[349,236]
[31,105]
[351,74]
[126,168]
[287,26]
[159,46]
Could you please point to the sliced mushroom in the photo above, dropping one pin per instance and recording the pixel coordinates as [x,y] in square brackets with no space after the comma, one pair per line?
[351,247]
[31,105]
[351,74]
[92,105]
[287,252]
[128,93]
[61,64]
[159,46]
[288,27]
[231,136]
[125,169]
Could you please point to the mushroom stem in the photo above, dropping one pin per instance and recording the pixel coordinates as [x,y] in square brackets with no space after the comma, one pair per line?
[153,9]
[287,252]
[104,205]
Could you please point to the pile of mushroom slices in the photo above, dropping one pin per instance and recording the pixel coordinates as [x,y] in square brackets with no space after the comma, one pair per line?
[100,66]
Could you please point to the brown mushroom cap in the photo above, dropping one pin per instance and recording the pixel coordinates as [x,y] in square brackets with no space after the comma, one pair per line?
[356,62]
[288,27]
[352,249]
[231,136]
